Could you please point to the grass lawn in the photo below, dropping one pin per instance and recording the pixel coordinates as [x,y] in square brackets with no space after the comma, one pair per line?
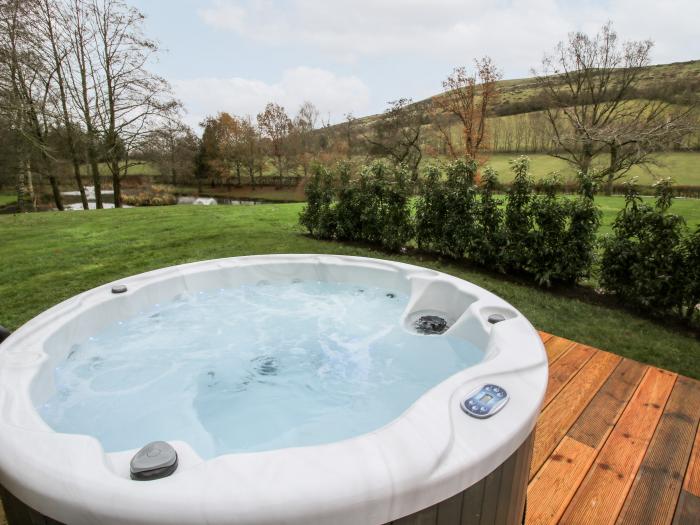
[48,257]
[145,168]
[683,167]
[7,198]
[689,209]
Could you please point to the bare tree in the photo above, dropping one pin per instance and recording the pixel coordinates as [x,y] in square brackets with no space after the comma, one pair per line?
[131,101]
[467,99]
[397,134]
[54,21]
[590,84]
[303,128]
[82,88]
[173,148]
[26,89]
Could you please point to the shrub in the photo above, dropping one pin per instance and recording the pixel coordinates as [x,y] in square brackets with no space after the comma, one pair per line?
[691,249]
[348,209]
[646,261]
[430,211]
[375,208]
[489,247]
[562,242]
[580,237]
[318,216]
[397,223]
[371,190]
[446,211]
[155,197]
[546,242]
[518,218]
[460,229]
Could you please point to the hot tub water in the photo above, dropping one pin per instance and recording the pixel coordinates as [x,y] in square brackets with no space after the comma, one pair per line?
[252,368]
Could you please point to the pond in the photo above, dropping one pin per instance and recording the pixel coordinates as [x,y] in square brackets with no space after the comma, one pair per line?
[71,200]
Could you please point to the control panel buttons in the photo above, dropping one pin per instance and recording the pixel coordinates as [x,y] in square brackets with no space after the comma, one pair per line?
[485,401]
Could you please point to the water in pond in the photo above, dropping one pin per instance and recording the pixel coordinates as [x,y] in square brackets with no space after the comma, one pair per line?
[251,368]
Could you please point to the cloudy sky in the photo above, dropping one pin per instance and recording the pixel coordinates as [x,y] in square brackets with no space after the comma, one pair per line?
[356,55]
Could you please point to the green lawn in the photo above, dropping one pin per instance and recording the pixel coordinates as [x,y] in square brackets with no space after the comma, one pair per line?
[7,198]
[683,167]
[48,257]
[689,209]
[145,168]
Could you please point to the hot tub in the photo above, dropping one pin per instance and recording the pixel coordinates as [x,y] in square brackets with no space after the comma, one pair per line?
[295,389]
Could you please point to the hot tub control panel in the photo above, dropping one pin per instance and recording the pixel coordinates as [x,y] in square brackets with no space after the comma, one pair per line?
[485,401]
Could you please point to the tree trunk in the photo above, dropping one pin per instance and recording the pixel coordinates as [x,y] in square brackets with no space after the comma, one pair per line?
[79,182]
[64,106]
[586,158]
[95,169]
[611,170]
[25,187]
[87,116]
[116,184]
[56,190]
[251,173]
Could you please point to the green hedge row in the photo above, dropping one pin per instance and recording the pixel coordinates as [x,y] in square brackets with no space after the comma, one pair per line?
[650,261]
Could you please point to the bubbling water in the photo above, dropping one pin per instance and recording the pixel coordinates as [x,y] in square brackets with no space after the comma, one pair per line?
[251,368]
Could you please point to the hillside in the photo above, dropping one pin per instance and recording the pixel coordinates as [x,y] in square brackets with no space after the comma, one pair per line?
[675,83]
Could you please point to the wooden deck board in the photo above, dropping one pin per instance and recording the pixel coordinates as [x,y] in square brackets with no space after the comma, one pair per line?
[691,483]
[558,417]
[631,454]
[616,442]
[656,489]
[604,490]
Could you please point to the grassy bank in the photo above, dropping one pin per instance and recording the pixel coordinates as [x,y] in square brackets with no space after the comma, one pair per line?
[49,257]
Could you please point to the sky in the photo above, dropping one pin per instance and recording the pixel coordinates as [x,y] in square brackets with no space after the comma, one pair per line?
[354,56]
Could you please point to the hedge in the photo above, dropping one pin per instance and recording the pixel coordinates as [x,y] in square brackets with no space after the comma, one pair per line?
[651,261]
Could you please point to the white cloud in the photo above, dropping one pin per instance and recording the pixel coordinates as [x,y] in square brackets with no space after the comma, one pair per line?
[514,33]
[332,94]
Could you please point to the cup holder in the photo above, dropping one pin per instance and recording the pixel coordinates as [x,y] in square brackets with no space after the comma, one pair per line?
[496,314]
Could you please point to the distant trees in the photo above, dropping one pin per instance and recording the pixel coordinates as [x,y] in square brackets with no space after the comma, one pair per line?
[232,145]
[275,126]
[397,134]
[25,89]
[173,149]
[467,100]
[131,101]
[75,89]
[590,84]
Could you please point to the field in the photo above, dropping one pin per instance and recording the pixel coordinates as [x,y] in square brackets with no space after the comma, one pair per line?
[145,168]
[48,257]
[689,209]
[683,168]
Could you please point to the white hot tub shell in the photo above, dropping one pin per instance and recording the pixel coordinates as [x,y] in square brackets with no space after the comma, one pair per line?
[430,454]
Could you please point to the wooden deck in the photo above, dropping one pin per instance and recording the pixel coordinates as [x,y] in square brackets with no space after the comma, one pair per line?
[617,442]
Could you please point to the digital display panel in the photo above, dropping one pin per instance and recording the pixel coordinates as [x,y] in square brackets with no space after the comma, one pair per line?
[486,398]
